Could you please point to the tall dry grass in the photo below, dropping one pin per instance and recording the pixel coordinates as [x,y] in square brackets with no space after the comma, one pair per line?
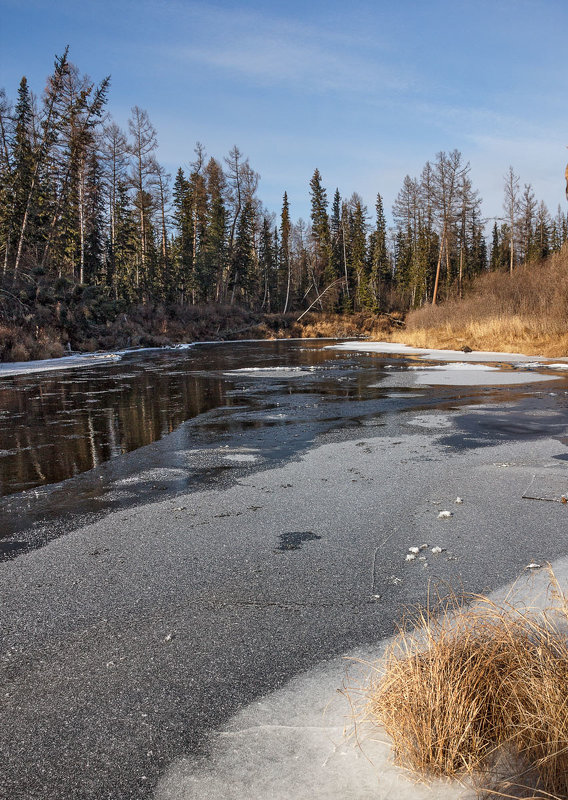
[525,311]
[480,691]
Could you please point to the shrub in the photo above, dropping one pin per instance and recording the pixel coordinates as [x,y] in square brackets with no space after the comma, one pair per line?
[18,352]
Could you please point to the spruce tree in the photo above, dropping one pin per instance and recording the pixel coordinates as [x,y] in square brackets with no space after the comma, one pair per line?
[285,262]
[321,238]
[380,275]
[243,278]
[183,238]
[214,258]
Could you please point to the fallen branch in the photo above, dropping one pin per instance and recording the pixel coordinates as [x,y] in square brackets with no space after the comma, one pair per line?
[395,320]
[339,280]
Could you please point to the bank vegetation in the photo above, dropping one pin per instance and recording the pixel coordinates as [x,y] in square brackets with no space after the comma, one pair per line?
[523,311]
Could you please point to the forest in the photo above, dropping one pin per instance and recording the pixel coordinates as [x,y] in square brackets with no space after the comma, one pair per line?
[86,207]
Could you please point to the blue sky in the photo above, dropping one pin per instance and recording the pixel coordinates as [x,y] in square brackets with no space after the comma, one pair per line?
[365,91]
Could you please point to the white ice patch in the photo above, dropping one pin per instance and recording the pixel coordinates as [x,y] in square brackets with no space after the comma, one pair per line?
[474,375]
[49,364]
[266,372]
[292,744]
[434,355]
[240,457]
[432,421]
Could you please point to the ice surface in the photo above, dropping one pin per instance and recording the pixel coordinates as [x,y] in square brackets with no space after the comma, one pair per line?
[479,356]
[458,365]
[475,375]
[298,743]
[48,364]
[431,421]
[292,745]
[240,457]
[266,372]
[461,374]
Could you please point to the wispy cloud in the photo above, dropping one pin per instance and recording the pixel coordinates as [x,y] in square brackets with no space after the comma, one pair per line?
[273,51]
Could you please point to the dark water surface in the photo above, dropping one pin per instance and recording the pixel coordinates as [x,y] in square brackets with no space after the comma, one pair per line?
[80,441]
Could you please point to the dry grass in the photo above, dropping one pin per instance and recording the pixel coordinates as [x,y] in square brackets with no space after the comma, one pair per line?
[317,325]
[526,312]
[475,690]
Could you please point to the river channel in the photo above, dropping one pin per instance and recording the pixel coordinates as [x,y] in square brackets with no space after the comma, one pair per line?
[80,442]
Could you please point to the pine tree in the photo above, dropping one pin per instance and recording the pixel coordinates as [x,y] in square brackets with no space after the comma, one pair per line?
[322,269]
[285,262]
[358,251]
[94,222]
[183,238]
[142,147]
[380,271]
[114,158]
[125,249]
[214,259]
[528,249]
[542,233]
[511,208]
[23,209]
[6,182]
[244,277]
[268,247]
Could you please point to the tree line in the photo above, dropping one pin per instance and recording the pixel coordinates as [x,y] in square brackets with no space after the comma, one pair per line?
[85,202]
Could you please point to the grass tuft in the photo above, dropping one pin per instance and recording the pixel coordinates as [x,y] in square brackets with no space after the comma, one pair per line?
[480,690]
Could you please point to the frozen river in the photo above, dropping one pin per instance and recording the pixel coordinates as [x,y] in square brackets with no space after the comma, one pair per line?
[103,434]
[188,532]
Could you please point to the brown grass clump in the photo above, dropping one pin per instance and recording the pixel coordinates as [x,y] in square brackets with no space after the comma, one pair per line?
[526,311]
[481,691]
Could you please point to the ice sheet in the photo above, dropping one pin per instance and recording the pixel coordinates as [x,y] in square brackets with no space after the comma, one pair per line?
[298,743]
[268,372]
[475,375]
[435,355]
[459,373]
[48,364]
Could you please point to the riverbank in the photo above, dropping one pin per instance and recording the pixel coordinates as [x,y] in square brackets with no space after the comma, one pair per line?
[531,336]
[86,321]
[524,310]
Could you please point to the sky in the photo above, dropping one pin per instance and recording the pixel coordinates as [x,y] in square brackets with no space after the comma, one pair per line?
[365,91]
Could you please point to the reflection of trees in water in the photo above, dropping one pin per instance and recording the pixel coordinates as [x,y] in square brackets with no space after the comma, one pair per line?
[56,429]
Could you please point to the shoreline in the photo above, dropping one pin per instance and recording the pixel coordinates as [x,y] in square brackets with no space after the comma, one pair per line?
[76,360]
[11,368]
